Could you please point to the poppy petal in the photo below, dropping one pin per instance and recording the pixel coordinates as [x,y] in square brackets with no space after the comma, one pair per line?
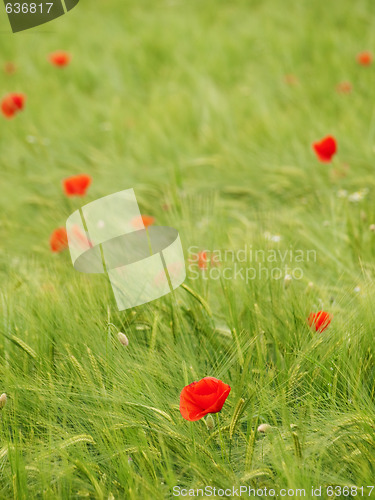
[76,185]
[200,398]
[325,149]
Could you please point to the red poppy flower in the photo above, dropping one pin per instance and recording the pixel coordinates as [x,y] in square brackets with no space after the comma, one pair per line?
[364,58]
[12,104]
[76,185]
[60,58]
[9,68]
[200,398]
[344,87]
[58,240]
[325,148]
[319,320]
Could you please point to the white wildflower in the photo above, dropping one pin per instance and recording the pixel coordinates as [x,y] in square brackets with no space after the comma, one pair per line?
[358,196]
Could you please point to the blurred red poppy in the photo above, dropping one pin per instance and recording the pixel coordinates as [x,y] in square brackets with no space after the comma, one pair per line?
[60,58]
[12,103]
[144,221]
[319,320]
[58,240]
[9,68]
[325,149]
[202,260]
[200,398]
[78,239]
[76,185]
[344,87]
[148,220]
[364,58]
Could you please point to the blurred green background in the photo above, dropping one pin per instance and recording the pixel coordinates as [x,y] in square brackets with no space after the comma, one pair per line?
[208,109]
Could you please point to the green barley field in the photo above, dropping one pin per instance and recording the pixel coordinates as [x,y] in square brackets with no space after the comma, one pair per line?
[208,109]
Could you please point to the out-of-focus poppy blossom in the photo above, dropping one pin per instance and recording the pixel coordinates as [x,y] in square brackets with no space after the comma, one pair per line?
[344,88]
[325,149]
[364,58]
[76,185]
[9,68]
[291,80]
[58,240]
[78,239]
[60,58]
[175,270]
[143,221]
[202,260]
[147,220]
[319,320]
[12,103]
[200,398]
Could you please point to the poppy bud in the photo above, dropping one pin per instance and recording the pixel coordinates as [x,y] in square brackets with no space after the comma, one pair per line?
[319,320]
[123,339]
[264,428]
[210,422]
[3,400]
[372,228]
[287,280]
